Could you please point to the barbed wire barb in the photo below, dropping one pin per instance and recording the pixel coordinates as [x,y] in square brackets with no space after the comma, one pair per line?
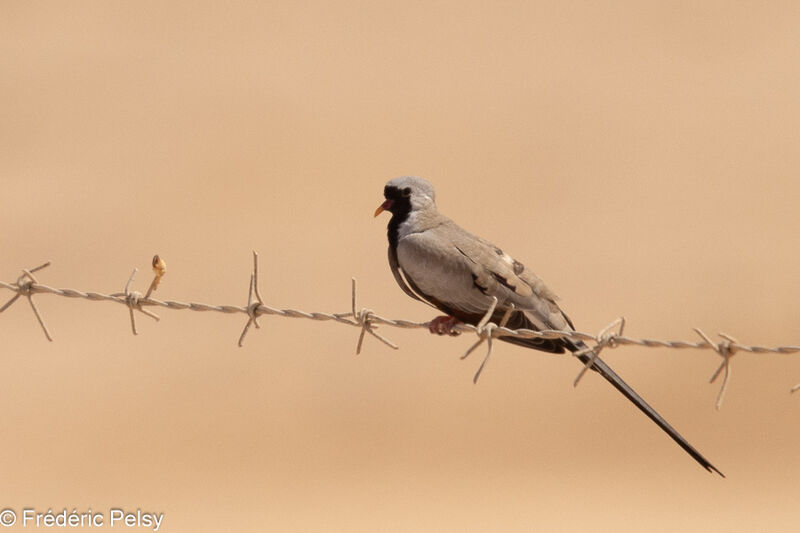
[252,307]
[363,318]
[133,300]
[367,321]
[26,289]
[486,331]
[479,329]
[606,337]
[726,349]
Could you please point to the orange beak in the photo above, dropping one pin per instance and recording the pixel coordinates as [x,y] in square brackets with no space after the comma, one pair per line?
[383,207]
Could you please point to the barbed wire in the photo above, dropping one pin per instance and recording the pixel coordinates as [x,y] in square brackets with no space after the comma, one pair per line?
[367,321]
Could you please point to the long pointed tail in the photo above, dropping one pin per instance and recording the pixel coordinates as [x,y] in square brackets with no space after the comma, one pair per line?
[611,376]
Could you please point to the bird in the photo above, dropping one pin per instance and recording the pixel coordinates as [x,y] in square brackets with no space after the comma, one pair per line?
[437,262]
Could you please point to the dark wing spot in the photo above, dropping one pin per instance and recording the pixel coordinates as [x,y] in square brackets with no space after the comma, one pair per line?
[477,284]
[503,281]
[518,267]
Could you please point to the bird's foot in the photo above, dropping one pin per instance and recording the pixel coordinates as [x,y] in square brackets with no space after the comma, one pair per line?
[443,325]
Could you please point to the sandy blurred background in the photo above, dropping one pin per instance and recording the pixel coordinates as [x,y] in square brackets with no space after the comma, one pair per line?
[641,157]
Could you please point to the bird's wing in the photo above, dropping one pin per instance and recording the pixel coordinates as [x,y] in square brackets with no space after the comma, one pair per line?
[461,273]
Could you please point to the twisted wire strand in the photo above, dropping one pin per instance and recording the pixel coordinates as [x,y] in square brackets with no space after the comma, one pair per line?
[609,337]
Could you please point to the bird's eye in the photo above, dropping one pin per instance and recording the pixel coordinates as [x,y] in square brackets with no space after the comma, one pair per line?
[406,192]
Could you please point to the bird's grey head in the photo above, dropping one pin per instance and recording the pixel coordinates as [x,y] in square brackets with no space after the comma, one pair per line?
[407,194]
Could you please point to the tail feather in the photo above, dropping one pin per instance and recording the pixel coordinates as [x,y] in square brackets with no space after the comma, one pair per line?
[604,370]
[520,320]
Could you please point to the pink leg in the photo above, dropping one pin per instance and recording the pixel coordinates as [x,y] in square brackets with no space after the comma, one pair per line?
[443,325]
